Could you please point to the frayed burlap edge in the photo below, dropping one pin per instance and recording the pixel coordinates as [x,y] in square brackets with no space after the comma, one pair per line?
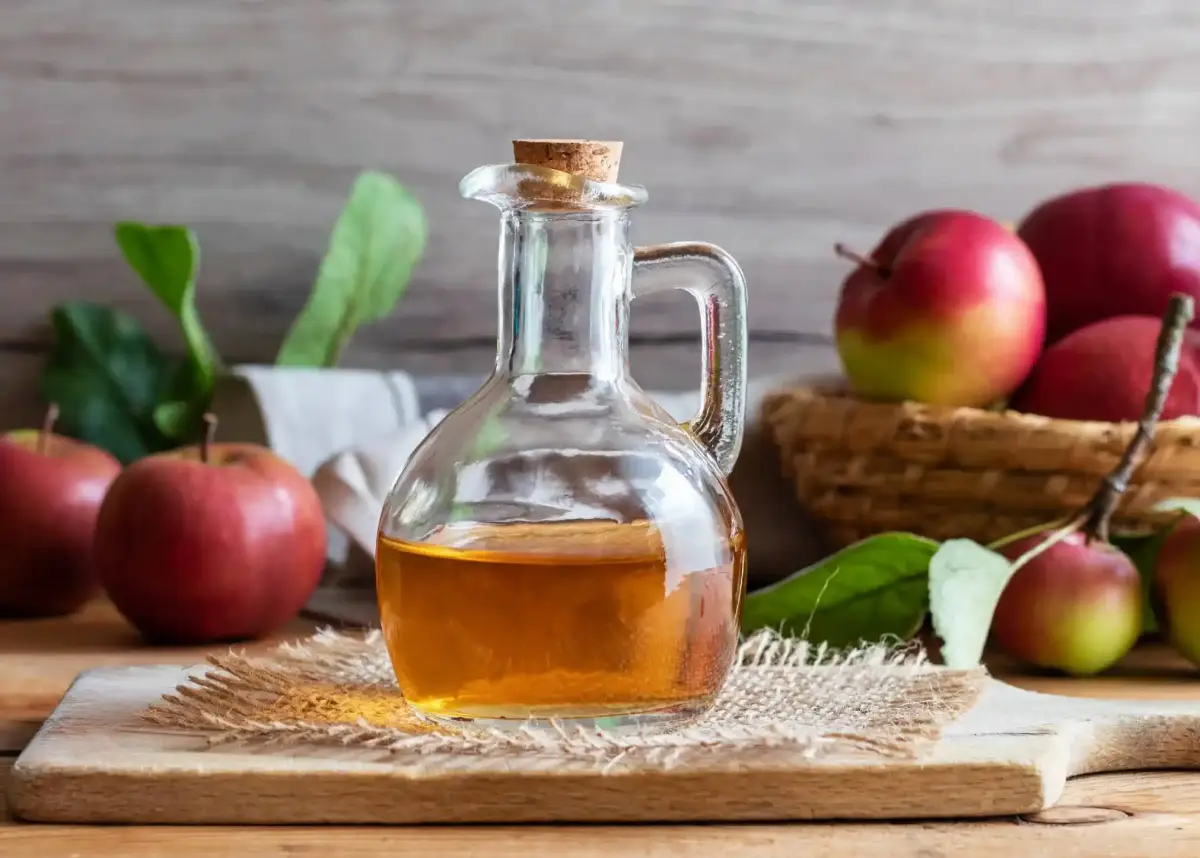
[337,689]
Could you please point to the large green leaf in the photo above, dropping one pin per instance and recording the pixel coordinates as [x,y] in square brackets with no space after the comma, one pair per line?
[167,259]
[106,376]
[375,245]
[866,592]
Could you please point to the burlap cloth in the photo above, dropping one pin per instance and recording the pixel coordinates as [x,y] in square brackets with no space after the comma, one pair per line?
[338,689]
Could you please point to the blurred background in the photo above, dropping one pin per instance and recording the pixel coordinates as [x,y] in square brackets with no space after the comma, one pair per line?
[773,128]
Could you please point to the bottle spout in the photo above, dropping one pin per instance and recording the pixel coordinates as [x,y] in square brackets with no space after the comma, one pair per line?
[555,175]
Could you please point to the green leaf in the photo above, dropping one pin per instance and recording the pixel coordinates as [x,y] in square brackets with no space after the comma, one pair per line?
[106,376]
[868,591]
[1143,550]
[177,419]
[376,243]
[965,583]
[180,416]
[167,259]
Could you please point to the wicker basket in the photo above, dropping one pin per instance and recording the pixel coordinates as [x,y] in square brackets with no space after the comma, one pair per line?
[944,472]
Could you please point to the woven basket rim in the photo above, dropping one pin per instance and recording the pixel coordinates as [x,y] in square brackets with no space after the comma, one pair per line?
[839,391]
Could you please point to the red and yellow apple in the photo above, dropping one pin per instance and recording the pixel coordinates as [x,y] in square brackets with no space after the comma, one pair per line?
[1113,250]
[217,542]
[51,488]
[1175,592]
[1076,607]
[948,309]
[1104,372]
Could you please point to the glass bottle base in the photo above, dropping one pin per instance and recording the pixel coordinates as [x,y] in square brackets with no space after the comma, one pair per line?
[615,723]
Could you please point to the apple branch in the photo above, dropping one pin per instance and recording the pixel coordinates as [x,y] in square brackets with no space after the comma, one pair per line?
[1097,512]
[210,432]
[865,261]
[47,427]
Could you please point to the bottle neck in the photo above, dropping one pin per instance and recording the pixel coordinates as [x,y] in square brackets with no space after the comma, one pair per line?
[564,294]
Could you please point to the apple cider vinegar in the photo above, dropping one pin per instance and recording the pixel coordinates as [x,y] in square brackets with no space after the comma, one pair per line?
[580,620]
[560,547]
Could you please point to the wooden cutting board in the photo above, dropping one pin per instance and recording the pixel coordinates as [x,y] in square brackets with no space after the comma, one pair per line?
[92,761]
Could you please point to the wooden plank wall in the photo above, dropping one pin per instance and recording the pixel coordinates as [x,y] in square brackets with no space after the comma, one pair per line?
[772,127]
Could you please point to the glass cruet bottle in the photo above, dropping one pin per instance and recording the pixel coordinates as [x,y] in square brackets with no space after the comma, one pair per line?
[558,547]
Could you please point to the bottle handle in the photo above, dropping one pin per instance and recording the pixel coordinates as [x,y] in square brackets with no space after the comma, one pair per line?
[717,283]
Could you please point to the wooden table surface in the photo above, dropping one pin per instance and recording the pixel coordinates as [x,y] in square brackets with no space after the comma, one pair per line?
[1132,814]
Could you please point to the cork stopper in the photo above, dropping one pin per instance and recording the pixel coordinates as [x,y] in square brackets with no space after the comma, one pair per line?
[597,160]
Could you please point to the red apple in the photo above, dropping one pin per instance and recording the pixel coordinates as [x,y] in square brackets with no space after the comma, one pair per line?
[947,309]
[218,542]
[1176,588]
[50,493]
[1104,371]
[1114,250]
[1076,607]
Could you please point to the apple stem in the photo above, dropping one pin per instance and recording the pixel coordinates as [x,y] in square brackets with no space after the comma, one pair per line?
[210,432]
[47,426]
[865,261]
[1098,511]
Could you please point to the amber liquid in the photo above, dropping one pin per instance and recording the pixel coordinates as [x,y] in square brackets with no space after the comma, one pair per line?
[580,620]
